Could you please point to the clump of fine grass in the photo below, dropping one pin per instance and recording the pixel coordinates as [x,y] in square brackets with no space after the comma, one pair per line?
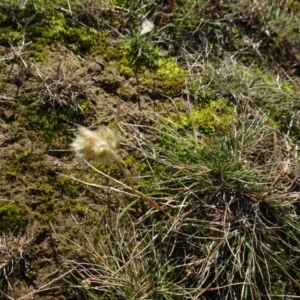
[125,261]
[14,260]
[235,218]
[231,228]
[63,86]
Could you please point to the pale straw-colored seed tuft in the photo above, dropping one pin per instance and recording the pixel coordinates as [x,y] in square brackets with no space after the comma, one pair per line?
[100,144]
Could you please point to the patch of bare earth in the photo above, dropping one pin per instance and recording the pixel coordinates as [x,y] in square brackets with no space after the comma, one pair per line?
[30,256]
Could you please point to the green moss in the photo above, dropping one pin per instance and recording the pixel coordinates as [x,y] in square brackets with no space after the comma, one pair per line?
[130,161]
[169,69]
[43,204]
[49,124]
[67,206]
[11,174]
[41,189]
[142,57]
[110,53]
[214,116]
[126,4]
[125,68]
[68,187]
[85,40]
[40,194]
[13,218]
[44,27]
[45,217]
[80,211]
[169,77]
[85,106]
[42,35]
[39,51]
[10,35]
[23,162]
[32,276]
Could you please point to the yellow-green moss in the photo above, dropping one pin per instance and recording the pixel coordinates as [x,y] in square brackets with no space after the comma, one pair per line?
[68,187]
[45,28]
[137,56]
[124,67]
[169,69]
[10,35]
[214,116]
[49,124]
[43,204]
[111,53]
[39,194]
[127,3]
[11,174]
[85,40]
[129,161]
[169,76]
[25,161]
[13,217]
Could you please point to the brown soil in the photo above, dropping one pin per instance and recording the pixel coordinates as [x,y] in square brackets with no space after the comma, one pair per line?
[30,164]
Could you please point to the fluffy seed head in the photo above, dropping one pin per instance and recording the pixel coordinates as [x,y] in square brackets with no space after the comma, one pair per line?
[100,144]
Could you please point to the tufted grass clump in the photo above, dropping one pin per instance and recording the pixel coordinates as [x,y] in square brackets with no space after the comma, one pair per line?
[233,202]
[228,224]
[15,253]
[232,198]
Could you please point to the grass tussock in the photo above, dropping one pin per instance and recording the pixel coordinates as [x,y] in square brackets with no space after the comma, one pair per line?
[230,227]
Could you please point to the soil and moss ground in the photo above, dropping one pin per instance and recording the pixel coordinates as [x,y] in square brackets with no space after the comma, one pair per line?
[71,63]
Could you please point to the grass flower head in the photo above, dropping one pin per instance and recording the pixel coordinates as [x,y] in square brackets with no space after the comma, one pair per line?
[100,144]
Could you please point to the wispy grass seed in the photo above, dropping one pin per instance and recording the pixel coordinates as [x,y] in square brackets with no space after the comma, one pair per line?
[100,144]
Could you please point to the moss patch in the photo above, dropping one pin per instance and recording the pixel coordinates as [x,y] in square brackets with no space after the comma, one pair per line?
[214,116]
[13,217]
[169,77]
[44,26]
